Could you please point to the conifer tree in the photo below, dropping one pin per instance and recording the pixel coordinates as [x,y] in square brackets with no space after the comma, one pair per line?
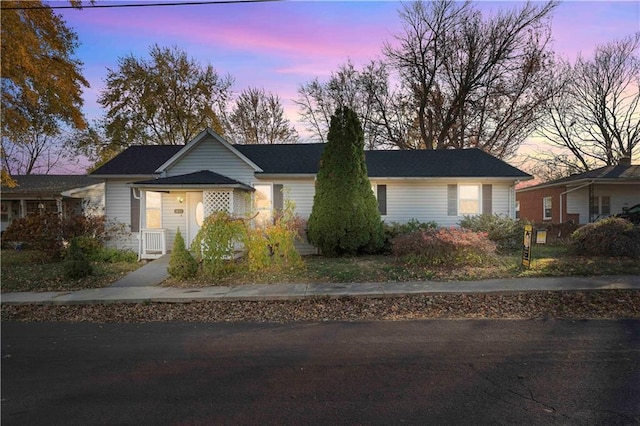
[345,217]
[181,265]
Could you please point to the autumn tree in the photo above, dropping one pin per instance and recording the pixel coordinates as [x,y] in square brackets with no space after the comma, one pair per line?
[475,81]
[258,118]
[344,218]
[594,116]
[42,85]
[166,99]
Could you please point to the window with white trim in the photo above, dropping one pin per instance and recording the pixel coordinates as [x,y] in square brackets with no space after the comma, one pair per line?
[468,199]
[153,210]
[547,208]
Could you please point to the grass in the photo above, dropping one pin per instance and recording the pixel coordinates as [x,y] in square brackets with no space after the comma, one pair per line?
[31,270]
[547,261]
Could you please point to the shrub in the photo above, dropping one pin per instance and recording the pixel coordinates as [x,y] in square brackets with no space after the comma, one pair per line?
[273,247]
[444,246]
[182,265]
[76,265]
[48,232]
[215,243]
[613,237]
[345,217]
[505,232]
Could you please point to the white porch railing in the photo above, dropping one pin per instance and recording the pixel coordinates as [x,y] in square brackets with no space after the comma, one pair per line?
[154,243]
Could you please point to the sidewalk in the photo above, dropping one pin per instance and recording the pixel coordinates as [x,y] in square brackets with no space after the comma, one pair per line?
[258,292]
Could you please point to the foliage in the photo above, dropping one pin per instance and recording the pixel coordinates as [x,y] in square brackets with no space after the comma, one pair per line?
[48,232]
[30,270]
[504,231]
[345,217]
[593,115]
[6,180]
[215,244]
[444,246]
[167,99]
[258,118]
[394,229]
[76,264]
[41,83]
[182,265]
[613,236]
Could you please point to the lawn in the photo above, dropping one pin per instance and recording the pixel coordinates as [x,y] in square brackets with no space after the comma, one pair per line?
[29,270]
[547,261]
[33,271]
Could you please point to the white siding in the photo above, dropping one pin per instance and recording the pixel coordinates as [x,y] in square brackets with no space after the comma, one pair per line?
[118,209]
[171,220]
[212,155]
[621,196]
[427,200]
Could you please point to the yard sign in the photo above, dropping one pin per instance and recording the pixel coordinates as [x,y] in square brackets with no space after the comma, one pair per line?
[526,246]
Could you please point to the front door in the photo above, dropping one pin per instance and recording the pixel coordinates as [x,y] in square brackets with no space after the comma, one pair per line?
[195,214]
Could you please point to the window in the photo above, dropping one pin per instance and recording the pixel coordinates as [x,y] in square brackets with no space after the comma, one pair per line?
[153,214]
[262,203]
[381,195]
[547,208]
[517,209]
[600,206]
[42,206]
[468,199]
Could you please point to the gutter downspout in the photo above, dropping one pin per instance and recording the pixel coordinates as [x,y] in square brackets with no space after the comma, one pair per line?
[571,190]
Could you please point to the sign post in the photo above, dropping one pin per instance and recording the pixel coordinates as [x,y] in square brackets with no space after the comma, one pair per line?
[526,246]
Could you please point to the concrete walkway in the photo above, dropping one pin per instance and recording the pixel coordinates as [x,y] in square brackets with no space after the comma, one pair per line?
[138,294]
[151,274]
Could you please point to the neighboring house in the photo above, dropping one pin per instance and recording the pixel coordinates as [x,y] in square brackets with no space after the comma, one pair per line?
[158,189]
[62,194]
[582,198]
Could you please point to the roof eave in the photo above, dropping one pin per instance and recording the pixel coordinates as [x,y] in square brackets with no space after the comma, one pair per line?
[198,186]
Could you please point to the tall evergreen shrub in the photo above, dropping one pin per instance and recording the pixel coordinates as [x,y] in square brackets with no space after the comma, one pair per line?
[345,217]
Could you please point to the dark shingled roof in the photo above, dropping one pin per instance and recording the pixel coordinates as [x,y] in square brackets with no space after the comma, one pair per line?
[305,159]
[48,185]
[203,177]
[620,173]
[138,160]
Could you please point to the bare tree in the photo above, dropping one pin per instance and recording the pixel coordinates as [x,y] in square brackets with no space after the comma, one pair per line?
[258,118]
[475,81]
[367,92]
[594,114]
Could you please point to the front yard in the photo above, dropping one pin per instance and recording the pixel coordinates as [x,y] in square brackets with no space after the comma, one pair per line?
[33,271]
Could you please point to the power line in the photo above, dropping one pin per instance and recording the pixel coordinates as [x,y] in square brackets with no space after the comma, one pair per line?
[114,6]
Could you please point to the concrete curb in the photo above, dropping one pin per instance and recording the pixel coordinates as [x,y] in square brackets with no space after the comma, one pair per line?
[262,292]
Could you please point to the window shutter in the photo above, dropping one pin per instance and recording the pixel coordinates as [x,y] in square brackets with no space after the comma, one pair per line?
[382,199]
[452,200]
[487,199]
[135,212]
[278,197]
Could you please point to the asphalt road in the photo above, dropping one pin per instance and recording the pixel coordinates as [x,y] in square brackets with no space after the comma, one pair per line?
[417,372]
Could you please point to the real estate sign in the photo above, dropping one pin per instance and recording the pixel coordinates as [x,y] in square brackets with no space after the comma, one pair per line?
[526,245]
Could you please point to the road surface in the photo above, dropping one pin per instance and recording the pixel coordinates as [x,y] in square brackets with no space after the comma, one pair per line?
[409,372]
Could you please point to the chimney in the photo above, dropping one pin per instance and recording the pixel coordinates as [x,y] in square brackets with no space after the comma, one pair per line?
[624,161]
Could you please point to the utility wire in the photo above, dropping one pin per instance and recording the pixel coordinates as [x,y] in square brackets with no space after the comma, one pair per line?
[114,6]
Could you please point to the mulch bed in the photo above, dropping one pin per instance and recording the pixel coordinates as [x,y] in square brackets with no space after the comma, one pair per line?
[611,304]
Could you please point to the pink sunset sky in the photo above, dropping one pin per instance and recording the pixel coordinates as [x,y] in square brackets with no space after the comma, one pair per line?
[280,45]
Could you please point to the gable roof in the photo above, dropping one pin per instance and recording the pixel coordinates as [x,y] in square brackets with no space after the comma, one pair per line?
[203,177]
[304,159]
[196,141]
[49,186]
[619,173]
